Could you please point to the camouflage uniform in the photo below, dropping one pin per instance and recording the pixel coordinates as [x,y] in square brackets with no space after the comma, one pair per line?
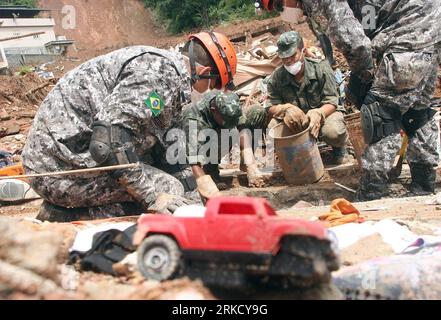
[229,107]
[112,88]
[402,39]
[318,88]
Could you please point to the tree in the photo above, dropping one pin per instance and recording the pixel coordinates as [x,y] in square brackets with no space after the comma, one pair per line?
[27,3]
[183,15]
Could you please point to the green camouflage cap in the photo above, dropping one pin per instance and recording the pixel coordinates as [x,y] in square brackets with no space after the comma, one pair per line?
[288,44]
[228,105]
[254,118]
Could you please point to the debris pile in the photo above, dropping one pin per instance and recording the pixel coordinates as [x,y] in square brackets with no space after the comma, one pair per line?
[20,97]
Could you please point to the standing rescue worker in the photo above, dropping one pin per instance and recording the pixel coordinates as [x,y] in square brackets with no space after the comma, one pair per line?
[392,47]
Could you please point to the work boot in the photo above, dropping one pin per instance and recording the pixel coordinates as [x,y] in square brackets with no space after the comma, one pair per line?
[53,213]
[371,189]
[339,155]
[423,180]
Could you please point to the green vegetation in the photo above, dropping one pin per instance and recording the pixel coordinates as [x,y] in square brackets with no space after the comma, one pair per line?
[28,3]
[24,70]
[184,15]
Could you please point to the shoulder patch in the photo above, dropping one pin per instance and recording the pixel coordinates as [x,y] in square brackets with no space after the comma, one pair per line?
[155,104]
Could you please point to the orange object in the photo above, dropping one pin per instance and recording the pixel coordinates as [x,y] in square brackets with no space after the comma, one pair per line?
[14,170]
[222,52]
[342,212]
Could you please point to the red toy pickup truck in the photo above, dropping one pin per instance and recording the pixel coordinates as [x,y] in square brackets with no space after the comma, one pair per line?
[234,241]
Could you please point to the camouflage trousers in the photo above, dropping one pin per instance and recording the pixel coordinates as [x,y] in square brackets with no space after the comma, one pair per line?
[378,159]
[103,195]
[404,81]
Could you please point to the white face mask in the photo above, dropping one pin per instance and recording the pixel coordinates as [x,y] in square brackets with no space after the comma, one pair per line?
[295,68]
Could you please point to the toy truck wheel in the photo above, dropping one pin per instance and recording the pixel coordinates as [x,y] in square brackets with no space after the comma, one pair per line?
[159,258]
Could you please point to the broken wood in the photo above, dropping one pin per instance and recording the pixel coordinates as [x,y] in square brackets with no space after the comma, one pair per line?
[273,27]
[44,85]
[253,92]
[26,115]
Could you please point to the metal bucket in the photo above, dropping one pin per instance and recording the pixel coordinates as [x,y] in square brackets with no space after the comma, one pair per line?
[299,155]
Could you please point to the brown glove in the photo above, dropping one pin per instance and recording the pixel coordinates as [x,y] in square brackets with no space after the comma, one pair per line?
[207,188]
[255,179]
[316,121]
[295,119]
[168,203]
[292,116]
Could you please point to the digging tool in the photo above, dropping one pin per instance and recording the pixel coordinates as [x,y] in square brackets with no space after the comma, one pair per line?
[396,171]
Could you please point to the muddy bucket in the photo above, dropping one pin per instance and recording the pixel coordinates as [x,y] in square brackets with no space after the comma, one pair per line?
[299,155]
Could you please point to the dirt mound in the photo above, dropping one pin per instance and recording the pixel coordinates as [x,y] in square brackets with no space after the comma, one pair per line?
[105,25]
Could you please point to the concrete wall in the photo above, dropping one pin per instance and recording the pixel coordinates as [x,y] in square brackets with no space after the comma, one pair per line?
[18,27]
[16,61]
[3,61]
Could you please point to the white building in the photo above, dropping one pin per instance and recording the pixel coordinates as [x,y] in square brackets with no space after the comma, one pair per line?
[3,61]
[22,32]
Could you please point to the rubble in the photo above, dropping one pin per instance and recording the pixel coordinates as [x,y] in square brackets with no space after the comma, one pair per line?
[33,254]
[38,252]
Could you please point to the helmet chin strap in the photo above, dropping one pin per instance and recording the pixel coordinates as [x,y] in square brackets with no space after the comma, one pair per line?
[194,74]
[230,85]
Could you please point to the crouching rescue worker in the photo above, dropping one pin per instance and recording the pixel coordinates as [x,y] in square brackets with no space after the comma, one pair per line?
[113,110]
[302,93]
[216,111]
[392,47]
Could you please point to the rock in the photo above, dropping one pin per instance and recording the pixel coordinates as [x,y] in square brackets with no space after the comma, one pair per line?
[19,279]
[4,115]
[401,277]
[19,137]
[8,129]
[24,246]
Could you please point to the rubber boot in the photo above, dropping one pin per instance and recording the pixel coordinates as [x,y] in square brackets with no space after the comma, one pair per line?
[338,155]
[371,189]
[53,213]
[423,180]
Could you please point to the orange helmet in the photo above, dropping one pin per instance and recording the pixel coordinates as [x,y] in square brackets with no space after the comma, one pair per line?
[264,4]
[223,54]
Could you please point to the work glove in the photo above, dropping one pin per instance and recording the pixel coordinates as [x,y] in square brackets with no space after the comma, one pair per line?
[207,188]
[316,121]
[167,203]
[255,177]
[293,117]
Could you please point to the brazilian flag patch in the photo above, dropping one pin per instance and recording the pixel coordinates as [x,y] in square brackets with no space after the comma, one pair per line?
[155,104]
